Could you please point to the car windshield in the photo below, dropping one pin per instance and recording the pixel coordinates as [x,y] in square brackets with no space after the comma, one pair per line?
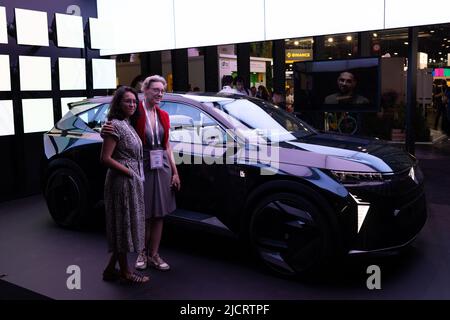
[267,120]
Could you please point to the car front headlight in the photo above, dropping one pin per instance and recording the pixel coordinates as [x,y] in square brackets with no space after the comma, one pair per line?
[352,178]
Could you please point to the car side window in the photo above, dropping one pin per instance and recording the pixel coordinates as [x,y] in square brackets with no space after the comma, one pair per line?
[190,124]
[95,117]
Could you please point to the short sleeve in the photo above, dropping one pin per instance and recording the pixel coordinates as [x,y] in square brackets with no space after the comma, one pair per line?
[117,129]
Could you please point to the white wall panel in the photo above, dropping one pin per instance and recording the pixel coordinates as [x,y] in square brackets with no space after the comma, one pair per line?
[104,73]
[32,27]
[3,30]
[37,115]
[69,30]
[5,74]
[35,73]
[6,118]
[72,74]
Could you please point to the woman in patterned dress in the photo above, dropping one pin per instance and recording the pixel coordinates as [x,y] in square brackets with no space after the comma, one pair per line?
[124,192]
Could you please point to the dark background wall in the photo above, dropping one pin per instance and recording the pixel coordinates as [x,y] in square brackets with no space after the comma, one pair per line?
[21,154]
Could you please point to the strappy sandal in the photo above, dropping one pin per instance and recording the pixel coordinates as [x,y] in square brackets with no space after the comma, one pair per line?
[134,278]
[111,275]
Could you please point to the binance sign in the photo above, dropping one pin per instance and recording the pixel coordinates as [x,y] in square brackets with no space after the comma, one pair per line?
[298,55]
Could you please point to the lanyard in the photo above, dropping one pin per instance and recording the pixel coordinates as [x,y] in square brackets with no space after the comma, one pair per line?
[150,124]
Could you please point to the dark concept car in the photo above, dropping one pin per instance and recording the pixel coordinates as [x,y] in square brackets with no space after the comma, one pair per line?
[298,196]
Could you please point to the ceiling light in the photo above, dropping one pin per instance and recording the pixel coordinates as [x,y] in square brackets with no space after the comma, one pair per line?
[349,38]
[406,43]
[395,53]
[375,35]
[431,31]
[312,41]
[296,43]
[349,54]
[329,58]
[442,59]
[330,39]
[440,52]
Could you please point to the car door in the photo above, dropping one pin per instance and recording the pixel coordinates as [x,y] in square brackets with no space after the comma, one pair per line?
[199,145]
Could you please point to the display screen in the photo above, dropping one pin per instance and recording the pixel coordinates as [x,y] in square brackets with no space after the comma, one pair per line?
[5,74]
[104,73]
[3,30]
[6,118]
[417,13]
[293,18]
[72,74]
[69,31]
[37,115]
[32,27]
[35,73]
[337,85]
[195,28]
[153,18]
[65,103]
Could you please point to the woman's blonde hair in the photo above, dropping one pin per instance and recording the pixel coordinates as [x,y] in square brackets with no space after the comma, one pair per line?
[149,80]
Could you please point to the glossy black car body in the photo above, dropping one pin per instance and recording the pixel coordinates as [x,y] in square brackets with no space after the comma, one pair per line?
[300,197]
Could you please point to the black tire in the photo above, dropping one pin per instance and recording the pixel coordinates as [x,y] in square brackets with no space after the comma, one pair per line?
[291,235]
[66,193]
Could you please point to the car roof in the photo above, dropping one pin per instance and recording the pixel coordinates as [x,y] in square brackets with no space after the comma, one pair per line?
[201,97]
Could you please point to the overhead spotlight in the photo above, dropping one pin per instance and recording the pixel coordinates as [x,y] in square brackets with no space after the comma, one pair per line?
[329,58]
[431,31]
[349,54]
[375,35]
[349,38]
[296,43]
[440,52]
[406,43]
[330,39]
[395,53]
[442,59]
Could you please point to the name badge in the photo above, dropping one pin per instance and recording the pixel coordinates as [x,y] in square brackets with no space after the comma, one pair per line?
[156,159]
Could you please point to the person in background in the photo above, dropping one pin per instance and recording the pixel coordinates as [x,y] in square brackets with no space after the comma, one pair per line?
[124,191]
[289,100]
[278,99]
[240,86]
[227,85]
[263,93]
[253,91]
[346,83]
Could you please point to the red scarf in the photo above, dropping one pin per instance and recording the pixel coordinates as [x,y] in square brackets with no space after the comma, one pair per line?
[163,117]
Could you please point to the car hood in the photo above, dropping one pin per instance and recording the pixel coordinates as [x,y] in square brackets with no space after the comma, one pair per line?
[358,153]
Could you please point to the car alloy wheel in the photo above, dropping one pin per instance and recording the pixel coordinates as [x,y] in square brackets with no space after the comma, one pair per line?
[289,234]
